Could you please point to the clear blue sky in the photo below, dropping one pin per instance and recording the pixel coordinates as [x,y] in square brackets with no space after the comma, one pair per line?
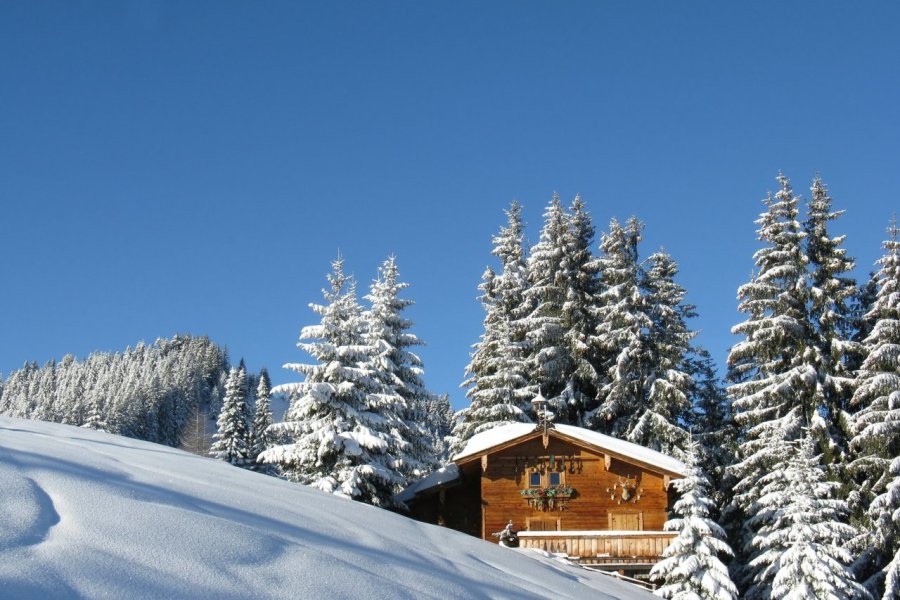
[194,166]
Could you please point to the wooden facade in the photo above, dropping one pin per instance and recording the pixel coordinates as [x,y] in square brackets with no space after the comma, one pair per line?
[562,495]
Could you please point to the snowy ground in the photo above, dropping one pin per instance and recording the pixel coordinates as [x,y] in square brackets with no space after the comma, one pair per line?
[86,514]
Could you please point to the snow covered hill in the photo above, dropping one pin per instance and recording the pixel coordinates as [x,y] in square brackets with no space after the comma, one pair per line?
[85,514]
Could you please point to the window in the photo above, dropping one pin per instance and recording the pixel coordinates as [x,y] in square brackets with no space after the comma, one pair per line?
[552,479]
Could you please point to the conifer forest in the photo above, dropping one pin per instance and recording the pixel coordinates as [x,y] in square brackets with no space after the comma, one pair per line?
[792,446]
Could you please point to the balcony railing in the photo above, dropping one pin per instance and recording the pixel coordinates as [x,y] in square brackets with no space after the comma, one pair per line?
[612,549]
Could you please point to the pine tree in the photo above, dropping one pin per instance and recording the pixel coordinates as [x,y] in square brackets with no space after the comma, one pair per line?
[498,377]
[862,322]
[550,360]
[691,565]
[713,425]
[579,313]
[441,419]
[262,419]
[330,439]
[831,293]
[94,418]
[774,383]
[623,347]
[876,425]
[663,415]
[404,400]
[800,533]
[885,539]
[230,442]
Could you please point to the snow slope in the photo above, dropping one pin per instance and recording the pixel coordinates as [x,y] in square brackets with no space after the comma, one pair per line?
[85,514]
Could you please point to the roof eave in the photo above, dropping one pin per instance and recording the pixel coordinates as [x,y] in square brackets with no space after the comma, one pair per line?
[573,440]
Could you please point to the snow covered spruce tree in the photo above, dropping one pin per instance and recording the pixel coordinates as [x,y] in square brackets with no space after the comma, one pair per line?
[94,416]
[885,539]
[622,347]
[691,565]
[403,401]
[262,419]
[876,425]
[580,313]
[550,361]
[800,533]
[862,323]
[498,378]
[774,387]
[831,292]
[713,425]
[232,435]
[441,418]
[664,412]
[331,438]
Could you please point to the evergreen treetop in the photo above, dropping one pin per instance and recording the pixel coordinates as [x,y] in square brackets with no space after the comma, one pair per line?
[404,399]
[231,439]
[330,438]
[550,361]
[262,419]
[498,380]
[622,324]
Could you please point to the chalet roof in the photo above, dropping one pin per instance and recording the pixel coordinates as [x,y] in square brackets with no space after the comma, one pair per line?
[443,476]
[486,440]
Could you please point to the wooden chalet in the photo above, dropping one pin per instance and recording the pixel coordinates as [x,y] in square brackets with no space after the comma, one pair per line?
[601,500]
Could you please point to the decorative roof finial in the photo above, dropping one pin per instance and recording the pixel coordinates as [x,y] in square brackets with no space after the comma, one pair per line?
[544,417]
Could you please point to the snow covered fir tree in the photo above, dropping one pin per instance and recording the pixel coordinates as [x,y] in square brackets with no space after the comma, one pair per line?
[258,439]
[233,436]
[692,564]
[499,385]
[776,386]
[830,304]
[355,423]
[332,436]
[404,402]
[620,340]
[800,531]
[666,406]
[876,427]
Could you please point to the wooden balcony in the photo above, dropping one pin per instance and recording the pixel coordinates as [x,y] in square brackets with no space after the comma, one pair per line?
[612,550]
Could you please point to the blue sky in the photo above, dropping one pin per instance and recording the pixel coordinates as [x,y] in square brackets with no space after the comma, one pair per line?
[195,166]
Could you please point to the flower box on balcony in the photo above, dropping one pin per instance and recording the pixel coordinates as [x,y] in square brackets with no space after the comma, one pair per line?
[548,498]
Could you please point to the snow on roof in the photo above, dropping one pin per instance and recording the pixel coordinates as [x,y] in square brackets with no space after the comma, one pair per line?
[486,440]
[443,475]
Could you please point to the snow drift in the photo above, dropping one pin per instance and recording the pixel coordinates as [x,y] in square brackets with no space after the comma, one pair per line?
[86,514]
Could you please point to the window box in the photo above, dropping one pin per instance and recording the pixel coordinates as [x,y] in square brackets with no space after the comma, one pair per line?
[548,498]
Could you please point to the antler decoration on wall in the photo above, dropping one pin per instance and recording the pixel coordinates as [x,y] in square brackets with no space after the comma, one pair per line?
[625,490]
